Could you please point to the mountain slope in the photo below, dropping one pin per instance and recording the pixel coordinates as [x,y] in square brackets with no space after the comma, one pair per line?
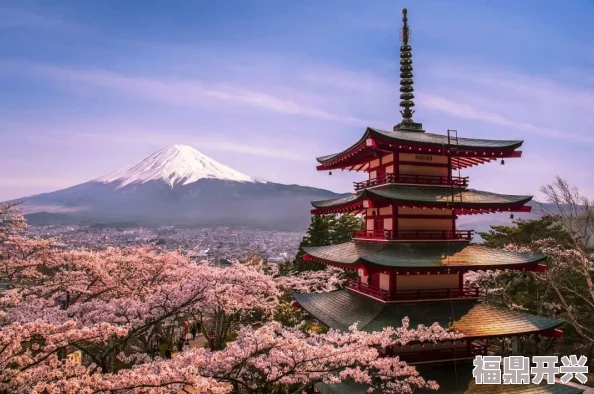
[180,185]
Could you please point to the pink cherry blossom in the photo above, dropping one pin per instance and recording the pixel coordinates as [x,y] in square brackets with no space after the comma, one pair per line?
[113,305]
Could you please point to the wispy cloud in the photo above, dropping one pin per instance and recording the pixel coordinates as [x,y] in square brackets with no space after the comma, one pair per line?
[292,112]
[187,93]
[536,106]
[205,141]
[156,134]
[467,111]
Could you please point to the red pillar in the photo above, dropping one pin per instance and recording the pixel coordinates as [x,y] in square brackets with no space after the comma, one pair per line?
[394,221]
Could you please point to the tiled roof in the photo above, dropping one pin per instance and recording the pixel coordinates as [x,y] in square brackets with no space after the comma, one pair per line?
[340,309]
[420,255]
[441,139]
[438,140]
[433,196]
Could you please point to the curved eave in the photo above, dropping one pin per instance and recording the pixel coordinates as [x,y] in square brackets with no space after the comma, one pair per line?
[423,197]
[422,258]
[438,140]
[342,308]
[470,151]
[354,201]
[328,159]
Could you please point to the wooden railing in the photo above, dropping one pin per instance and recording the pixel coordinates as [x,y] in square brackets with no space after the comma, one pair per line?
[368,289]
[412,295]
[402,235]
[430,294]
[373,234]
[433,180]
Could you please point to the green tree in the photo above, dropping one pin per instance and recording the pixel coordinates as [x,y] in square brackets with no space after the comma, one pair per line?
[526,232]
[343,226]
[326,230]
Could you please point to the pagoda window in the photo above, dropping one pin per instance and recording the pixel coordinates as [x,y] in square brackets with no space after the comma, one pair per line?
[385,210]
[425,224]
[433,223]
[384,281]
[390,169]
[378,212]
[405,169]
[421,164]
[421,282]
[374,163]
[363,278]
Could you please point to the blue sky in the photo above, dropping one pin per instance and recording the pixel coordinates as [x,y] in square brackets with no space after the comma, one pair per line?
[266,86]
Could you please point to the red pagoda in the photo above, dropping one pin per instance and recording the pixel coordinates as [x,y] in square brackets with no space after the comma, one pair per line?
[411,258]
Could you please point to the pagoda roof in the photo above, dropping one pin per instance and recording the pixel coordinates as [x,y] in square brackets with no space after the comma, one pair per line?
[423,255]
[342,308]
[456,380]
[400,138]
[437,197]
[432,197]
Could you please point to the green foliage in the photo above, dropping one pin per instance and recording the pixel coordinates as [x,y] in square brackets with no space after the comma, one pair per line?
[530,290]
[526,232]
[288,315]
[326,230]
[285,268]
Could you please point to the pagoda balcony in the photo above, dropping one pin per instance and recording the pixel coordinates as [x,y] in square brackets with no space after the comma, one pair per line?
[412,295]
[427,180]
[414,235]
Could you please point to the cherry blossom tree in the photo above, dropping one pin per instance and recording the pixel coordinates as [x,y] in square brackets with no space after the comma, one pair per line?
[566,289]
[111,305]
[266,359]
[320,281]
[11,221]
[234,296]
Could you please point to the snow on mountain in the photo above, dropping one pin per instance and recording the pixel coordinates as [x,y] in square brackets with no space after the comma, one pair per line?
[179,164]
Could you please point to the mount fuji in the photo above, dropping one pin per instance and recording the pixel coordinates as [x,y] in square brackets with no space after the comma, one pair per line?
[181,186]
[177,165]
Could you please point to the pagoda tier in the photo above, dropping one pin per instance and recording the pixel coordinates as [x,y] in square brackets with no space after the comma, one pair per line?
[340,309]
[419,271]
[463,201]
[429,257]
[464,152]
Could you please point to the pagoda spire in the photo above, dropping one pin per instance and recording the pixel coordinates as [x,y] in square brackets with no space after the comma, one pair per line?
[406,80]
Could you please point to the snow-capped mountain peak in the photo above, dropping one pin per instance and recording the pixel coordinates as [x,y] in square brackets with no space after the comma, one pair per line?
[176,165]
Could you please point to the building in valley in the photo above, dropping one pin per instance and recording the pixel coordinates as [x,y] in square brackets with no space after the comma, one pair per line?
[411,259]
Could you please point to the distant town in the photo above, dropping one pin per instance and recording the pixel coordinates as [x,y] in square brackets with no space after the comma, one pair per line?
[210,244]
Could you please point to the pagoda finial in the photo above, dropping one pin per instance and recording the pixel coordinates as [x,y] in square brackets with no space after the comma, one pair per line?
[406,80]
